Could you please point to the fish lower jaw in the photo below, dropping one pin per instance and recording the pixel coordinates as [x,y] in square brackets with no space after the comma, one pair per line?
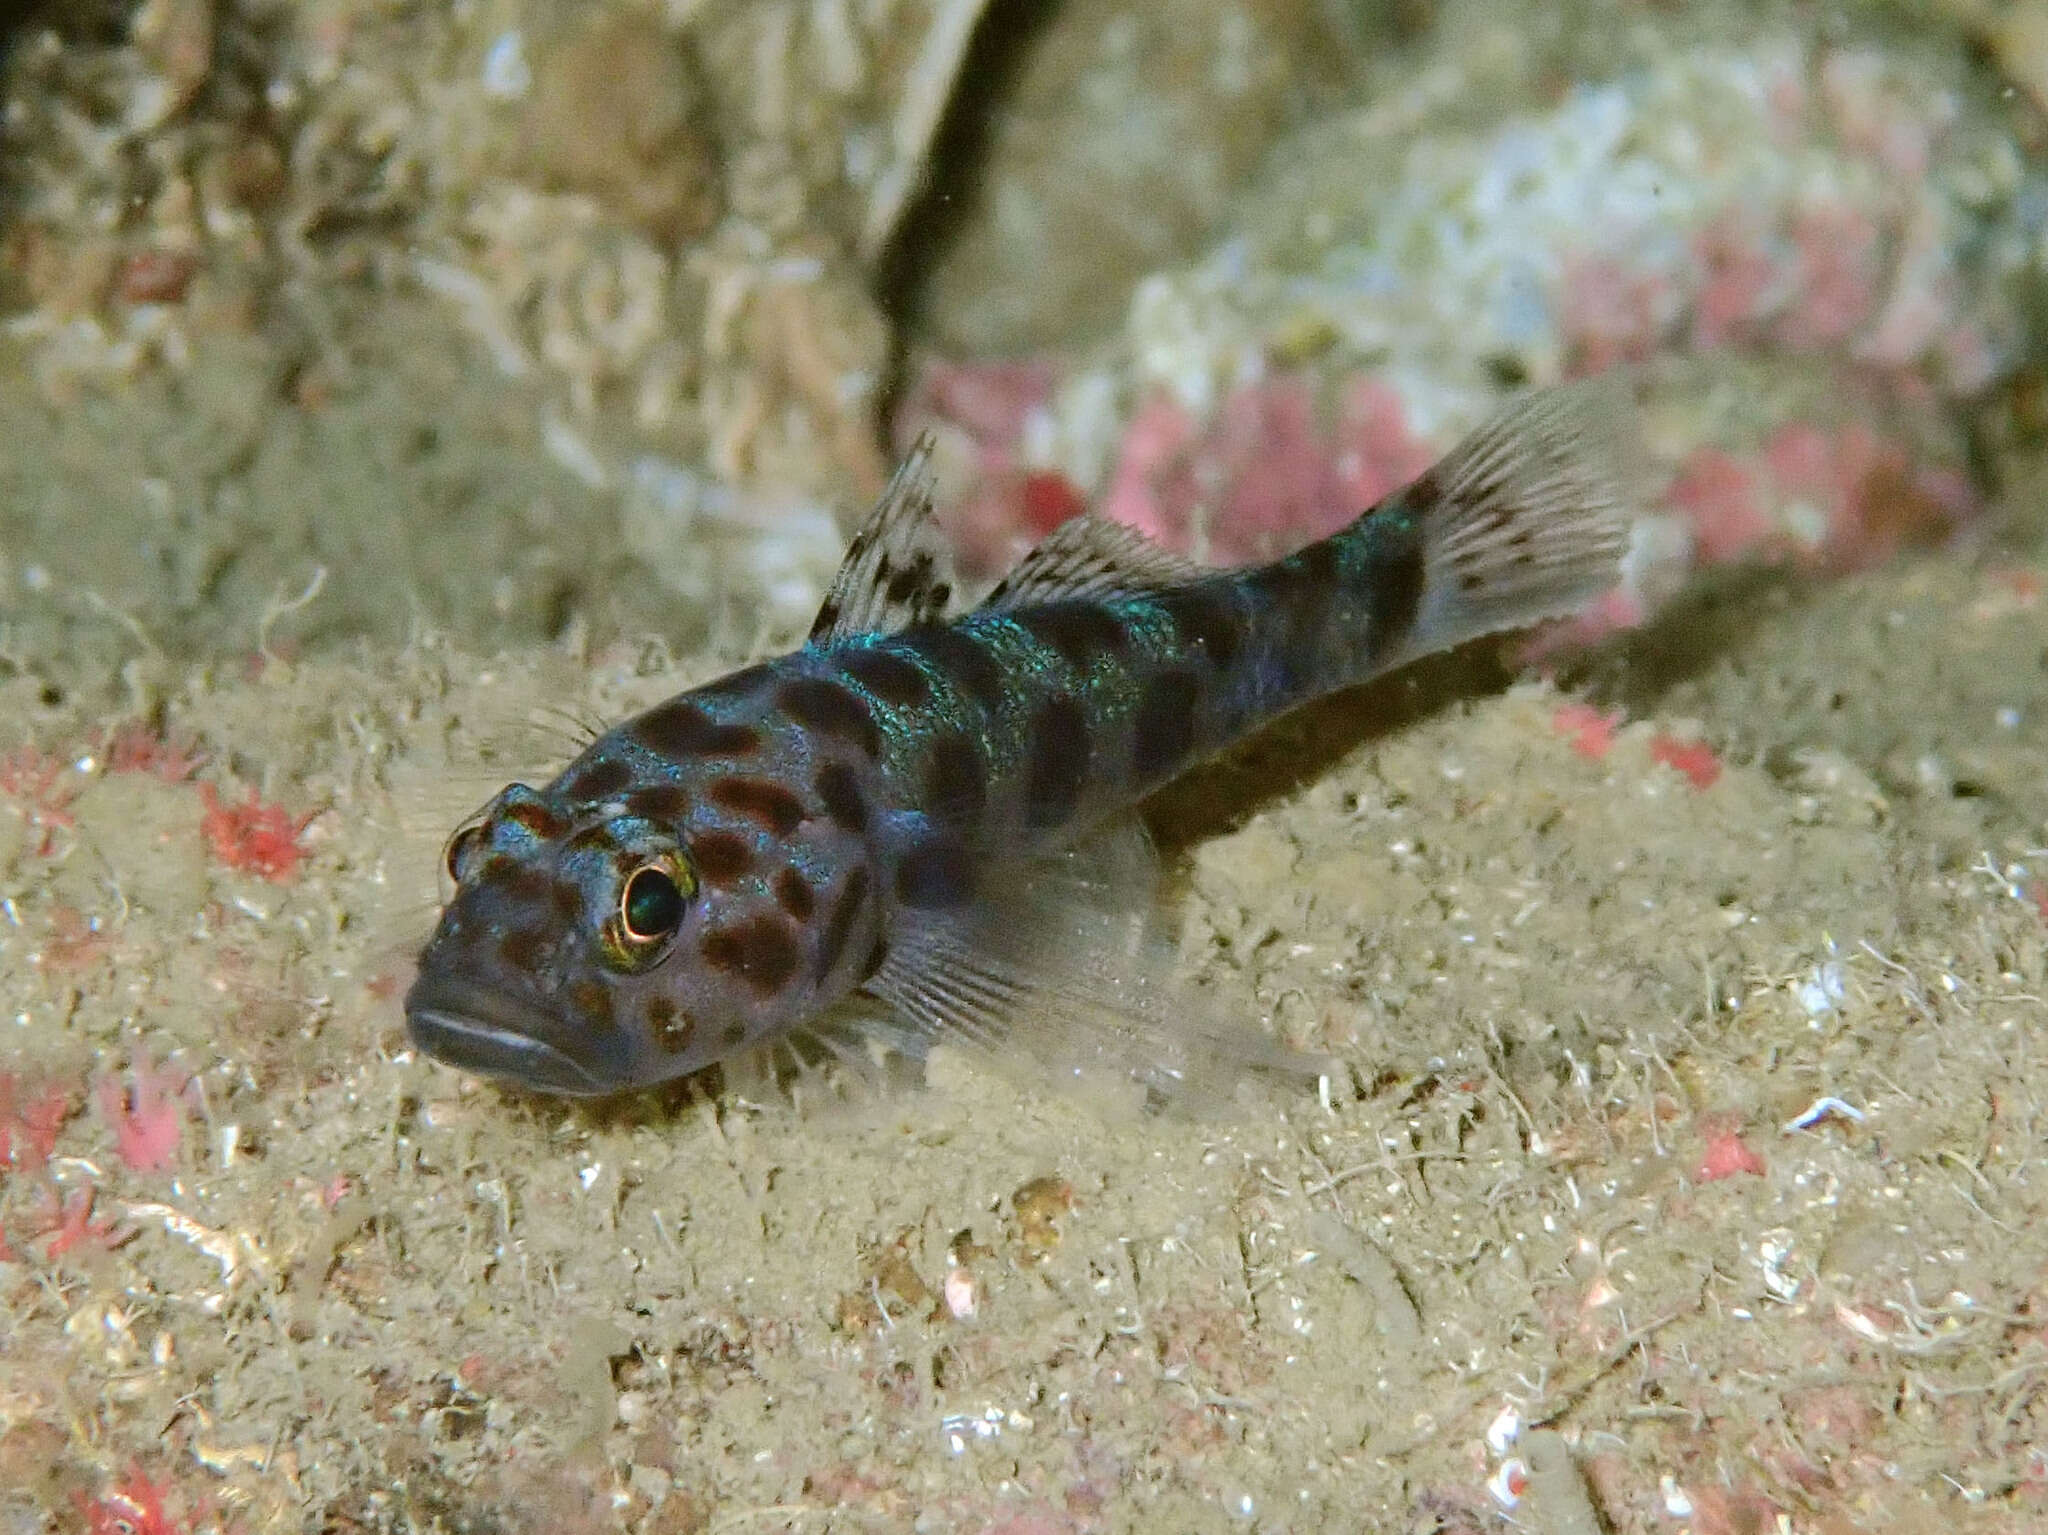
[473,1044]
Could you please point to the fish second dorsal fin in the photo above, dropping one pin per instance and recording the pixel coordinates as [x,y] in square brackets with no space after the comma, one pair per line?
[897,570]
[1089,556]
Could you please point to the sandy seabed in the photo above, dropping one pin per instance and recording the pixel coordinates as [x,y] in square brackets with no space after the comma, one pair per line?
[1689,1166]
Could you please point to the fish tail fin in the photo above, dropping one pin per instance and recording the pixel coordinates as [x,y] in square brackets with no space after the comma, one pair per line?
[1525,519]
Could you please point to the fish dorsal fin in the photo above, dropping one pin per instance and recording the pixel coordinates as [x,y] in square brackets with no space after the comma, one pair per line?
[897,571]
[1089,556]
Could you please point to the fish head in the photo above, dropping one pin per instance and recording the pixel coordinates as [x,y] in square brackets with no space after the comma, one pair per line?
[593,948]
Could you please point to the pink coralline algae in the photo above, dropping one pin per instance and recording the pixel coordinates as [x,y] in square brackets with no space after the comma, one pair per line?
[39,788]
[147,1113]
[253,836]
[1611,312]
[1725,1154]
[982,412]
[1693,760]
[1590,730]
[29,1122]
[1837,499]
[136,1506]
[70,1226]
[1273,470]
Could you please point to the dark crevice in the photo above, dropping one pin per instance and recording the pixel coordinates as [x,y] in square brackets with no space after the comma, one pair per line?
[95,23]
[951,187]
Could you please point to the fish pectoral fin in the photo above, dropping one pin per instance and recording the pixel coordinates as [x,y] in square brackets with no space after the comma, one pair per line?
[898,566]
[1062,967]
[1090,556]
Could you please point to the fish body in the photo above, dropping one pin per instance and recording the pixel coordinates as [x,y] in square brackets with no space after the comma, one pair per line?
[899,813]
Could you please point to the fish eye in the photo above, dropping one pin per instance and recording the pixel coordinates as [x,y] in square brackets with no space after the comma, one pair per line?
[456,854]
[650,904]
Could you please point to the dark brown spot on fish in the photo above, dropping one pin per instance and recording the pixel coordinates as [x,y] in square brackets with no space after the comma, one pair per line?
[1207,619]
[1297,580]
[593,1003]
[538,819]
[671,1026]
[906,582]
[665,804]
[720,857]
[1078,631]
[1397,578]
[1058,765]
[794,895]
[598,780]
[1163,732]
[1300,589]
[839,792]
[681,728]
[893,678]
[831,708]
[968,664]
[735,1035]
[878,956]
[567,900]
[846,911]
[525,949]
[937,873]
[517,880]
[761,800]
[956,782]
[762,951]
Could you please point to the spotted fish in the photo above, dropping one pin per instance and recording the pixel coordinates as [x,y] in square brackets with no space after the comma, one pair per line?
[915,828]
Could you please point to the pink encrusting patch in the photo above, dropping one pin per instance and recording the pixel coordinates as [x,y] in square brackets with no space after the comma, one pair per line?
[69,1224]
[1590,730]
[254,836]
[1741,280]
[134,748]
[1273,471]
[1723,500]
[136,1506]
[1149,489]
[1610,312]
[1277,469]
[982,412]
[1834,499]
[989,401]
[41,788]
[1613,613]
[1726,1153]
[146,1114]
[1694,759]
[1377,453]
[29,1122]
[1050,498]
[1835,277]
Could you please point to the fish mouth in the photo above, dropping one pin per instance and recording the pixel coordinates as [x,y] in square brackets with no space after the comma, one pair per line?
[480,1031]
